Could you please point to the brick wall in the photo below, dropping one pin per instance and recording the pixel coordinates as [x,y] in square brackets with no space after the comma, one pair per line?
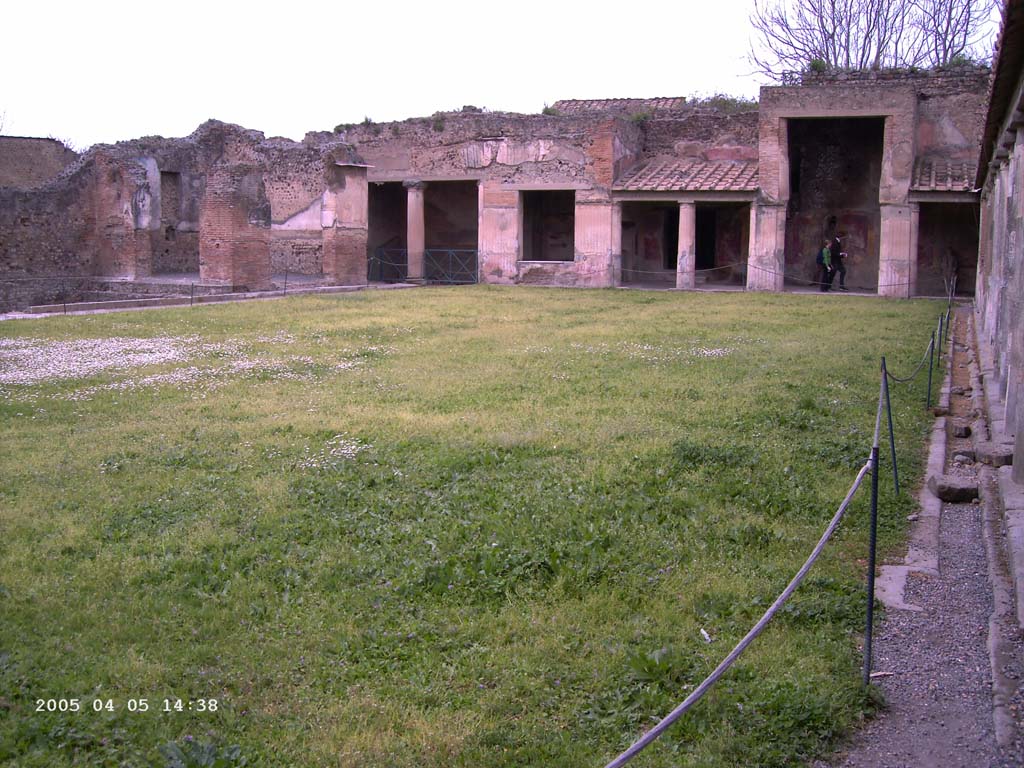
[298,253]
[234,228]
[951,114]
[703,135]
[28,163]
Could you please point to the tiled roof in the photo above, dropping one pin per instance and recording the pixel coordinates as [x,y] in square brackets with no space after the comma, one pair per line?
[653,107]
[690,176]
[943,176]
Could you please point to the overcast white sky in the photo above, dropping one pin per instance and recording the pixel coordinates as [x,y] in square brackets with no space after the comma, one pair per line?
[107,70]
[111,70]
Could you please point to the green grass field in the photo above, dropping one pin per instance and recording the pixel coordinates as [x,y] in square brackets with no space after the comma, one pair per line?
[441,527]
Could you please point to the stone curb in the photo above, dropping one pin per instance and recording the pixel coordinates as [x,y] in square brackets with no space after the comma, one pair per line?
[1013,520]
[923,549]
[176,301]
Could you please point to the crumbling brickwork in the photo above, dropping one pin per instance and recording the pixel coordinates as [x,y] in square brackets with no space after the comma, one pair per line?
[754,188]
[27,163]
[234,228]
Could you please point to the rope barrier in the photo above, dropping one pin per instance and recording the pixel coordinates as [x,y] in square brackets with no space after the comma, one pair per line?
[728,661]
[911,377]
[871,466]
[792,278]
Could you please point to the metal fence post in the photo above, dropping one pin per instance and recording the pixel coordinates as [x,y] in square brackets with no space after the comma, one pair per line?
[931,355]
[940,337]
[869,623]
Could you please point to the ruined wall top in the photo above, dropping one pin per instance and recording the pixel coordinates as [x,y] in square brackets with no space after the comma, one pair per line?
[832,77]
[510,147]
[656,107]
[217,142]
[27,163]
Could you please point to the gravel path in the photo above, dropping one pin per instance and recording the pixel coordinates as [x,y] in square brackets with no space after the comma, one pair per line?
[933,666]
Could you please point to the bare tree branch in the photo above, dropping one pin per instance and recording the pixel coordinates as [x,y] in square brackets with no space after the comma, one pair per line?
[869,34]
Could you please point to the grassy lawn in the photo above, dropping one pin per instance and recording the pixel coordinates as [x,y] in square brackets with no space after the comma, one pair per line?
[442,527]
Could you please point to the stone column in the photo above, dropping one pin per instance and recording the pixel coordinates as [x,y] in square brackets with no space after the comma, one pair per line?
[894,251]
[415,230]
[686,259]
[615,275]
[766,264]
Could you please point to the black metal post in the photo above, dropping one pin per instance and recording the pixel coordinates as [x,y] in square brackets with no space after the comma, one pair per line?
[192,295]
[869,624]
[940,338]
[892,437]
[931,350]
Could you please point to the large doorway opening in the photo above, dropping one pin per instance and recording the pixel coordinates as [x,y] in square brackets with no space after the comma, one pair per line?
[835,165]
[387,221]
[721,242]
[549,225]
[451,223]
[650,243]
[947,248]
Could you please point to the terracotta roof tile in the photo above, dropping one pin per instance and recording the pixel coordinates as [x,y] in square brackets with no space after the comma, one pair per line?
[943,176]
[690,176]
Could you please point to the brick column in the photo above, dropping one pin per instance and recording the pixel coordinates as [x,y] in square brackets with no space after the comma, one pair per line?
[415,230]
[686,259]
[234,228]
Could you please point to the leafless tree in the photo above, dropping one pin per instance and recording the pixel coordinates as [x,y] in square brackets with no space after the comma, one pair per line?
[868,34]
[952,28]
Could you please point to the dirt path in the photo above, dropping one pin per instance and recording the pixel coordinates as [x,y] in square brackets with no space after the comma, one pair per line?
[933,665]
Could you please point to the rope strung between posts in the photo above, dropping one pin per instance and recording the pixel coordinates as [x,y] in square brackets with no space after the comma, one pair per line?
[727,662]
[792,278]
[927,355]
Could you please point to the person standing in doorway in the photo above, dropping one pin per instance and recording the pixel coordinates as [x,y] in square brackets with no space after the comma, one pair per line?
[838,262]
[825,262]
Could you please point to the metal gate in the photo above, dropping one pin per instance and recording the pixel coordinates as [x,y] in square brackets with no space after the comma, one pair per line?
[388,265]
[450,266]
[443,266]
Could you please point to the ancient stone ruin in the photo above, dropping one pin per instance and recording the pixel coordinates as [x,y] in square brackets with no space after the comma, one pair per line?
[591,193]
